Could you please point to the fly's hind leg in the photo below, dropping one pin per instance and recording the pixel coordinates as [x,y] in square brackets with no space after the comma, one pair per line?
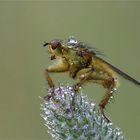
[111,85]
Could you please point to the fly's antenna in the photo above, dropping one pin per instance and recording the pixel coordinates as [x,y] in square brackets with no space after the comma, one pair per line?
[45,44]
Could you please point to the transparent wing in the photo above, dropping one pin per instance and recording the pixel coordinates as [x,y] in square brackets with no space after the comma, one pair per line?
[121,73]
[74,44]
[89,49]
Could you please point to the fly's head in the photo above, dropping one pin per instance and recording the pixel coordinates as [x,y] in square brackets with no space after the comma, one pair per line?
[54,48]
[57,48]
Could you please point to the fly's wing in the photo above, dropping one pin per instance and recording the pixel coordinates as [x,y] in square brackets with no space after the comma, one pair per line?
[86,47]
[121,73]
[72,43]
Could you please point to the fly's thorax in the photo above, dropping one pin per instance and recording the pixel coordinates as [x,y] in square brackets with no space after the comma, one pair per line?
[75,58]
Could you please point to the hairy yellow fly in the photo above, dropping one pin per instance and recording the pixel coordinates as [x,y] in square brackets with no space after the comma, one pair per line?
[85,65]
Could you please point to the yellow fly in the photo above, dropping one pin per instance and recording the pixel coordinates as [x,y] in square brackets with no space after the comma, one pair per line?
[85,65]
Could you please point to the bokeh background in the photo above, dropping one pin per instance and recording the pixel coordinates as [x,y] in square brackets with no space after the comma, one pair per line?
[111,26]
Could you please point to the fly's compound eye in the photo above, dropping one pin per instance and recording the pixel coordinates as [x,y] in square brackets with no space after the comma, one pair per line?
[55,44]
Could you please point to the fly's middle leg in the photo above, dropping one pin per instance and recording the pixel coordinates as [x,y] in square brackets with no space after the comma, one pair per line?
[83,76]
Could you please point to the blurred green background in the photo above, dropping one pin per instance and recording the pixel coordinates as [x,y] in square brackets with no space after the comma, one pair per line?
[112,27]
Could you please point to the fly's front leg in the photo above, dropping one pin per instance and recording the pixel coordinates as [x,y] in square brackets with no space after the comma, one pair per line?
[61,66]
[50,83]
[48,79]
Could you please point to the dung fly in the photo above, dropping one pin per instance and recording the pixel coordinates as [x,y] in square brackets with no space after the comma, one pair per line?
[84,64]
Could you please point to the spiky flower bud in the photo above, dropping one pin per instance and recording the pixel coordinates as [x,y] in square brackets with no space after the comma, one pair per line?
[70,116]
